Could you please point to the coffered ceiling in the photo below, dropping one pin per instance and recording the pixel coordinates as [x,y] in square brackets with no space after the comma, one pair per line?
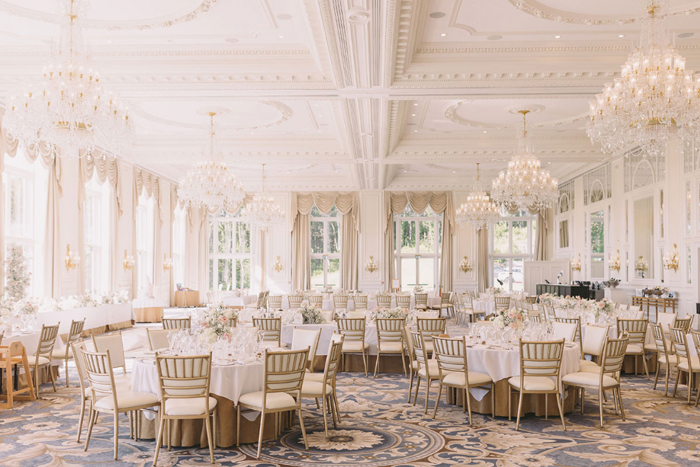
[350,94]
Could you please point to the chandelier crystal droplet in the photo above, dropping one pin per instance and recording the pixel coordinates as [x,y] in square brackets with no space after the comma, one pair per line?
[210,184]
[262,211]
[524,185]
[68,108]
[654,96]
[479,211]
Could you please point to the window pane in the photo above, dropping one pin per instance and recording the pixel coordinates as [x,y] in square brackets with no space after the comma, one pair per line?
[408,272]
[517,283]
[211,238]
[426,272]
[242,237]
[333,278]
[334,212]
[243,273]
[520,237]
[211,274]
[500,238]
[90,269]
[17,215]
[315,212]
[597,233]
[500,272]
[226,279]
[427,237]
[333,237]
[408,236]
[317,237]
[317,272]
[226,237]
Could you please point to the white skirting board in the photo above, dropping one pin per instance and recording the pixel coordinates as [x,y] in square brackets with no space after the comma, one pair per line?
[537,271]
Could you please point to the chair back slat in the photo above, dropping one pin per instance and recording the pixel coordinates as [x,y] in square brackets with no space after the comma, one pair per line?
[680,343]
[390,329]
[271,329]
[76,330]
[422,299]
[659,339]
[403,301]
[684,323]
[98,368]
[541,358]
[451,354]
[384,301]
[295,301]
[284,371]
[360,302]
[419,349]
[340,302]
[333,358]
[47,340]
[177,323]
[501,302]
[431,327]
[353,329]
[274,302]
[184,377]
[635,328]
[613,356]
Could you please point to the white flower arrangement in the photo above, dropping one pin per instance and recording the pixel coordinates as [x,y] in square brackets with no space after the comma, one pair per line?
[217,322]
[18,277]
[604,306]
[495,290]
[27,306]
[391,313]
[418,289]
[512,319]
[311,315]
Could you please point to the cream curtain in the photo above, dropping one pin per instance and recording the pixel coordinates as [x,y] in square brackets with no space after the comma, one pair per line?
[440,202]
[173,205]
[482,262]
[348,205]
[150,184]
[106,168]
[541,247]
[52,251]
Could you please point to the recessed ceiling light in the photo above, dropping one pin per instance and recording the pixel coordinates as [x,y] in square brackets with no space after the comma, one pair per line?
[621,35]
[109,40]
[231,40]
[404,171]
[437,14]
[485,131]
[494,37]
[284,16]
[557,37]
[685,35]
[443,34]
[413,115]
[454,171]
[415,131]
[281,37]
[549,163]
[320,115]
[416,103]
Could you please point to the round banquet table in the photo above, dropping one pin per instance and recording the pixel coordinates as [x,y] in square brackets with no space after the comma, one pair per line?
[487,306]
[501,364]
[228,383]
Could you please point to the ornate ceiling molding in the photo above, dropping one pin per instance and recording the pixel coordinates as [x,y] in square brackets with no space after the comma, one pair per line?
[539,10]
[284,110]
[453,116]
[151,23]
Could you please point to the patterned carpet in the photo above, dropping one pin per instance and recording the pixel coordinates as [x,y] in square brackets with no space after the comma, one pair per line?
[380,429]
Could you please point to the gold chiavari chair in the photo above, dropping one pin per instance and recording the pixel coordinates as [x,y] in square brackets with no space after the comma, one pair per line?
[637,332]
[325,389]
[74,334]
[177,323]
[403,301]
[430,327]
[539,363]
[274,302]
[454,372]
[390,340]
[295,301]
[360,302]
[283,380]
[687,363]
[426,369]
[271,329]
[421,301]
[354,331]
[663,356]
[316,301]
[340,302]
[684,323]
[384,301]
[577,322]
[43,356]
[501,303]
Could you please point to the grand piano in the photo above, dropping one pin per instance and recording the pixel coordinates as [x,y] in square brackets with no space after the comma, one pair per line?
[583,291]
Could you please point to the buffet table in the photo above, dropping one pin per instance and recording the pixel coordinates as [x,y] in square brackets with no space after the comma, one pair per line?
[239,301]
[98,319]
[186,298]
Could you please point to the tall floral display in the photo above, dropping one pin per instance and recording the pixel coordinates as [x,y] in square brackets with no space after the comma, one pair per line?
[18,277]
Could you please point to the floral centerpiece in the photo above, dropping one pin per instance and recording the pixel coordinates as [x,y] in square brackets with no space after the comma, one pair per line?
[512,319]
[390,313]
[603,307]
[6,308]
[217,321]
[547,298]
[495,290]
[27,306]
[418,289]
[311,315]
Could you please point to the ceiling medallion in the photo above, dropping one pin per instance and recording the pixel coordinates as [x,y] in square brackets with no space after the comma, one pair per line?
[68,108]
[524,185]
[479,211]
[210,184]
[262,211]
[654,96]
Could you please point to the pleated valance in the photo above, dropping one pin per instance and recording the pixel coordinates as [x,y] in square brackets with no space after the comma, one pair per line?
[147,181]
[440,202]
[107,170]
[346,203]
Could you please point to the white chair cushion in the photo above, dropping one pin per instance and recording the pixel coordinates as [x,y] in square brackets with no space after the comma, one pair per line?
[429,346]
[650,347]
[315,377]
[421,307]
[354,346]
[187,407]
[127,399]
[584,378]
[432,367]
[695,363]
[42,360]
[314,388]
[634,348]
[390,346]
[275,400]
[475,379]
[665,359]
[122,383]
[587,365]
[534,383]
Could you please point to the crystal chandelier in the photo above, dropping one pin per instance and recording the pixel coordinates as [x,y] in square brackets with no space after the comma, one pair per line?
[210,184]
[262,211]
[525,185]
[654,95]
[479,211]
[68,108]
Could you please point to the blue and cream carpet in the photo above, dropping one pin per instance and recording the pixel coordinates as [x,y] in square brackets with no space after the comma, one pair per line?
[380,429]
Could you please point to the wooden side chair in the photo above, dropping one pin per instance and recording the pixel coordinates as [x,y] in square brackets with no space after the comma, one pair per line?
[353,329]
[177,323]
[390,340]
[44,354]
[11,355]
[271,329]
[74,335]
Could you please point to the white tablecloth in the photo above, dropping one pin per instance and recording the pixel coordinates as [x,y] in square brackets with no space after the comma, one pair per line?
[239,301]
[327,331]
[327,304]
[31,343]
[230,381]
[487,306]
[95,317]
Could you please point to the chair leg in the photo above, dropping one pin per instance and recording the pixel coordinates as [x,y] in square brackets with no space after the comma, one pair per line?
[376,365]
[493,400]
[690,385]
[303,431]
[238,425]
[619,398]
[93,418]
[116,435]
[214,430]
[82,417]
[561,410]
[53,378]
[600,405]
[169,426]
[510,403]
[678,377]
[410,384]
[415,396]
[260,436]
[520,405]
[469,406]
[318,406]
[644,364]
[546,408]
[656,376]
[437,402]
[365,360]
[331,405]
[207,424]
[427,394]
[159,439]
[337,405]
[668,376]
[583,399]
[325,416]
[66,372]
[403,363]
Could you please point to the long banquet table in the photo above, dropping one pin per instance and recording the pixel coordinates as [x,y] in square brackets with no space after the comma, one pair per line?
[99,319]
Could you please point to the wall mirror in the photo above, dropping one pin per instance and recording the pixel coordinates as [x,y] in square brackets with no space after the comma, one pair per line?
[597,245]
[644,238]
